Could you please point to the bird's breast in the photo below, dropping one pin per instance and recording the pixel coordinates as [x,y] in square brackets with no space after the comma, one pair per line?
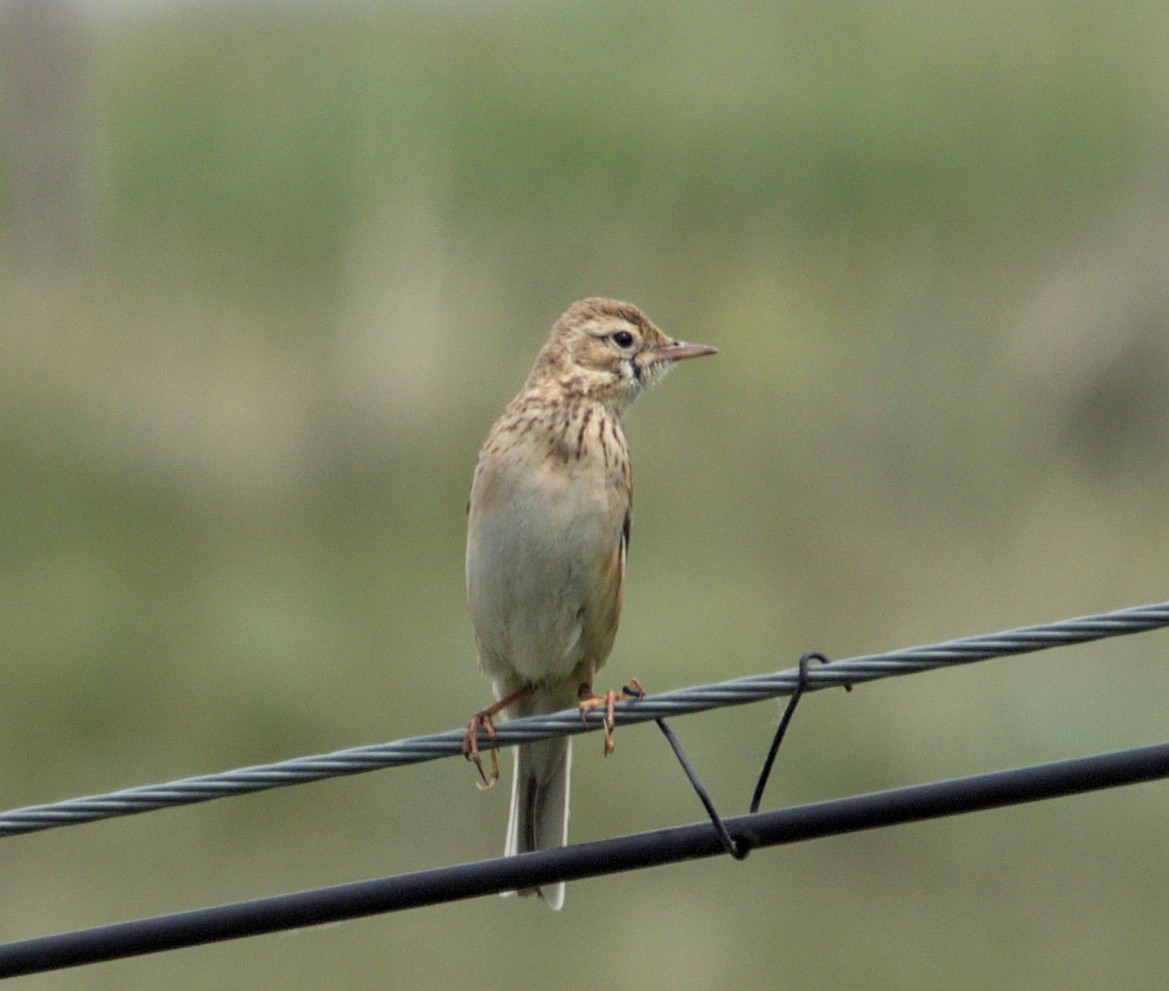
[544,565]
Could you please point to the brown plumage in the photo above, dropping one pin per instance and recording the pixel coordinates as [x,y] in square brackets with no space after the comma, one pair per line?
[548,527]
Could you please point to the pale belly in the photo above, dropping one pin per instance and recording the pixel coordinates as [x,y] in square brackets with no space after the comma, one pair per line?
[540,588]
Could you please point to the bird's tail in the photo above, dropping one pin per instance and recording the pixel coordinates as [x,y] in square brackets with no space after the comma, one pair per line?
[539,805]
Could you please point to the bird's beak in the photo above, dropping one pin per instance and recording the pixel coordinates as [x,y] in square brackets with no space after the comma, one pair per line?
[680,351]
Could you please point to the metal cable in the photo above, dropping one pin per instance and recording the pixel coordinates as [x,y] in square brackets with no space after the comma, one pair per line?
[358,899]
[754,688]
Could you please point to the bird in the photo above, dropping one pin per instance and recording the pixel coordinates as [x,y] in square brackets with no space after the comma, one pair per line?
[548,522]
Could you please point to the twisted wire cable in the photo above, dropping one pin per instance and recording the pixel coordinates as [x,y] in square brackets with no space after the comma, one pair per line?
[739,691]
[671,845]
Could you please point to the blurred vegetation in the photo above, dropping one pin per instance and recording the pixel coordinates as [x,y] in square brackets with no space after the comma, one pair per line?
[268,272]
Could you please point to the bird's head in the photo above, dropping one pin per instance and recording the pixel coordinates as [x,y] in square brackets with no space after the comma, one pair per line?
[609,351]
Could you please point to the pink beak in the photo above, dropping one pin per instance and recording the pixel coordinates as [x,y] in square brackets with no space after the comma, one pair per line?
[680,351]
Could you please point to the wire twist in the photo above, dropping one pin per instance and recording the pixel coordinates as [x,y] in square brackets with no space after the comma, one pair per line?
[739,691]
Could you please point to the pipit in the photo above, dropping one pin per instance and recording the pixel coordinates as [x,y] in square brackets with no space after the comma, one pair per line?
[548,527]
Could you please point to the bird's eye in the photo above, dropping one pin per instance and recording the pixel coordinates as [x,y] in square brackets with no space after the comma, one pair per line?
[623,339]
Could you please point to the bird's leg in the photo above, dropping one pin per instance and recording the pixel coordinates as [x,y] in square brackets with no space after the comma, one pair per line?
[483,720]
[588,700]
[471,747]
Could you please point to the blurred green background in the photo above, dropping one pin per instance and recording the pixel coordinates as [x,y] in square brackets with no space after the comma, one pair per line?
[269,271]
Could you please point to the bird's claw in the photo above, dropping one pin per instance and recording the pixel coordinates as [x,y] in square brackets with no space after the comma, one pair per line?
[609,701]
[471,748]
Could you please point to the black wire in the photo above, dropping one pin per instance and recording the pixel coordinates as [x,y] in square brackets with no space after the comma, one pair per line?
[737,850]
[640,850]
[781,729]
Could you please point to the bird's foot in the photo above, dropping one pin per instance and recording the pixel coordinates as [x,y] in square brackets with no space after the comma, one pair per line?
[482,720]
[609,701]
